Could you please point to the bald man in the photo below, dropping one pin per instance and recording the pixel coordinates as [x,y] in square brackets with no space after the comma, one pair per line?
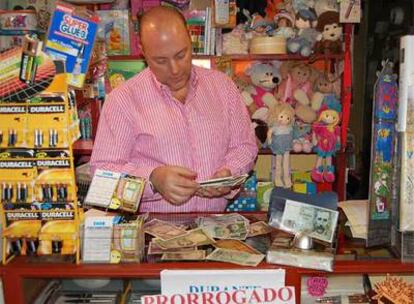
[174,123]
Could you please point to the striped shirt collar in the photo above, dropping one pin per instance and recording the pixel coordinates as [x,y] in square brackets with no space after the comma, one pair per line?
[193,83]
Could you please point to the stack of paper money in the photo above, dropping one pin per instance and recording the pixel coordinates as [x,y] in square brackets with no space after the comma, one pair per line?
[224,233]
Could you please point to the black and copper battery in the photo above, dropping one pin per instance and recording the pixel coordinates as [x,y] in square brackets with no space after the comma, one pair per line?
[32,47]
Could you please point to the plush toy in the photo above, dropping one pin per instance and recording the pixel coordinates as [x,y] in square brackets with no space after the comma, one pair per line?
[326,140]
[296,89]
[327,86]
[295,75]
[240,83]
[329,26]
[265,77]
[284,25]
[302,137]
[259,96]
[235,42]
[305,21]
[261,25]
[279,137]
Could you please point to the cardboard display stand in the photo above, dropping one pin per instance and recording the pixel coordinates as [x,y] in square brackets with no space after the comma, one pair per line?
[37,182]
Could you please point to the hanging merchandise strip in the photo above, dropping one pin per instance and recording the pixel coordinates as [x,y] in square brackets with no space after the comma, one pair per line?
[382,156]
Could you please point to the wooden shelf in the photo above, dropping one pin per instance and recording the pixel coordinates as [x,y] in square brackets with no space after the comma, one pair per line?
[267,151]
[27,269]
[248,57]
[82,147]
[140,57]
[21,268]
[251,57]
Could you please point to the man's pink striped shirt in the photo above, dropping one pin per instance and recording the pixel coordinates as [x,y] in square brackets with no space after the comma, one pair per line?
[143,127]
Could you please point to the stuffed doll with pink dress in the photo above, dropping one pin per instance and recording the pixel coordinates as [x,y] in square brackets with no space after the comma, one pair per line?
[326,138]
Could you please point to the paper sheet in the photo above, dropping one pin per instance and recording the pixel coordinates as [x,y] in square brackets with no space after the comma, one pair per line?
[357,214]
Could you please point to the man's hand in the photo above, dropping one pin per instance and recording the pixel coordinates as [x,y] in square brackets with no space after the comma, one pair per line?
[216,192]
[176,184]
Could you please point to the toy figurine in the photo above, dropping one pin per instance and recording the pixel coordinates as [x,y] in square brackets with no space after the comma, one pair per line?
[326,140]
[329,26]
[305,21]
[284,23]
[279,137]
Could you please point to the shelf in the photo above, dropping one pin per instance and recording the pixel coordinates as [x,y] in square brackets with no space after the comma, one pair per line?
[27,269]
[82,147]
[267,151]
[141,57]
[249,57]
[21,268]
[252,57]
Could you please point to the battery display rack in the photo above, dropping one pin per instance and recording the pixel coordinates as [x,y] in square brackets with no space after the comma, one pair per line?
[39,206]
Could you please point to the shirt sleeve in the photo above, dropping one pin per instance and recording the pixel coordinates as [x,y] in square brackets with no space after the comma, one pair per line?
[115,139]
[242,149]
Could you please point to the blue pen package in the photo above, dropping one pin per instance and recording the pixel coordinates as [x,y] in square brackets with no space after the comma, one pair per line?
[71,36]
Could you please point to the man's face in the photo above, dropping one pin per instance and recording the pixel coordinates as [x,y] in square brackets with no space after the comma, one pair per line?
[169,57]
[321,222]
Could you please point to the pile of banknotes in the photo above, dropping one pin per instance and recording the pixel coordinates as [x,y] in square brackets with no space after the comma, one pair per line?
[222,238]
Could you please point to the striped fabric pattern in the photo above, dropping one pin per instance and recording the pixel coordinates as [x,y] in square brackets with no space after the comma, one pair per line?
[142,127]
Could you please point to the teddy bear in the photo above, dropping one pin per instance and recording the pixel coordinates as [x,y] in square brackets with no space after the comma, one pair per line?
[265,77]
[259,96]
[329,26]
[296,89]
[307,36]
